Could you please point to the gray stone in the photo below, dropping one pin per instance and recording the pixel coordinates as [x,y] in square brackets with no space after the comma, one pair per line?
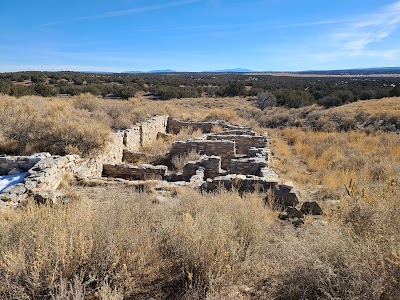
[50,197]
[293,212]
[285,196]
[15,171]
[297,222]
[311,208]
[283,216]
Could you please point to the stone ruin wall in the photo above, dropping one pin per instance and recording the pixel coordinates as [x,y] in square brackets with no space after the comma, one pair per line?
[151,128]
[223,148]
[45,172]
[175,126]
[236,158]
[242,142]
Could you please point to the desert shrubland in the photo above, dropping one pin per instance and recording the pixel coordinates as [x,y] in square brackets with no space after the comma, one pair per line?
[113,242]
[117,242]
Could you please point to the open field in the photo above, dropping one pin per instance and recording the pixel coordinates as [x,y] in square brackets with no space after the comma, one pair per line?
[114,242]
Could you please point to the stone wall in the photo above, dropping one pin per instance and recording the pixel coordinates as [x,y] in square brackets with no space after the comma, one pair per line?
[175,126]
[112,154]
[243,142]
[129,172]
[241,183]
[151,128]
[211,166]
[46,171]
[223,148]
[46,175]
[251,166]
[132,138]
[24,163]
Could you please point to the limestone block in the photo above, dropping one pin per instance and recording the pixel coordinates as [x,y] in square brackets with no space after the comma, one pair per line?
[132,139]
[251,166]
[130,172]
[151,128]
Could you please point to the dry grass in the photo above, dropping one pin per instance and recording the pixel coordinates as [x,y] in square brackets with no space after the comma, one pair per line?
[30,125]
[369,116]
[159,149]
[117,243]
[202,246]
[333,159]
[180,160]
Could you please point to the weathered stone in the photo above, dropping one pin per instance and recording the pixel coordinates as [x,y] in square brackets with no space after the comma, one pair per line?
[15,171]
[198,177]
[285,196]
[297,222]
[243,142]
[129,172]
[251,166]
[293,212]
[311,208]
[241,183]
[283,216]
[210,164]
[224,149]
[174,177]
[17,189]
[175,126]
[132,138]
[149,129]
[50,197]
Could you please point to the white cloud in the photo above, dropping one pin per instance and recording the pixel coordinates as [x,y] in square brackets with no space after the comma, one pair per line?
[369,28]
[119,13]
[140,9]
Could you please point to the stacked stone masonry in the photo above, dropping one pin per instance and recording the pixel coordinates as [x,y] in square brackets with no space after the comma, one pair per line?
[234,158]
[45,172]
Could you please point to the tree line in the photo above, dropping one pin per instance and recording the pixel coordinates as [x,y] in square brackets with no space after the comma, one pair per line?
[288,91]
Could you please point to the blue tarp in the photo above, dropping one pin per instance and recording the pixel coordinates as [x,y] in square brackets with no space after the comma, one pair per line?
[9,180]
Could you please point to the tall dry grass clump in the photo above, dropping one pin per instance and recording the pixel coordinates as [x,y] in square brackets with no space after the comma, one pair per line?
[115,113]
[333,159]
[33,124]
[157,150]
[205,246]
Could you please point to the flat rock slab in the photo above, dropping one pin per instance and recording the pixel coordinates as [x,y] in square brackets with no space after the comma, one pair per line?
[10,180]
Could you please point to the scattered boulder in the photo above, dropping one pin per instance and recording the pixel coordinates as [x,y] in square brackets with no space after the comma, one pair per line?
[293,212]
[286,196]
[283,216]
[311,208]
[297,222]
[50,197]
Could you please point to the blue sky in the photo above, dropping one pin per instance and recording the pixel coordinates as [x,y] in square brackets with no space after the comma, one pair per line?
[198,35]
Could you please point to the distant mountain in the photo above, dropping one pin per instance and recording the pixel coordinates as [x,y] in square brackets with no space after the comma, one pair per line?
[152,71]
[162,71]
[237,70]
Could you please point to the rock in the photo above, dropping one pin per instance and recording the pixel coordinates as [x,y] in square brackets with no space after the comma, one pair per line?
[288,184]
[17,189]
[293,212]
[297,222]
[50,197]
[285,196]
[311,208]
[15,171]
[283,216]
